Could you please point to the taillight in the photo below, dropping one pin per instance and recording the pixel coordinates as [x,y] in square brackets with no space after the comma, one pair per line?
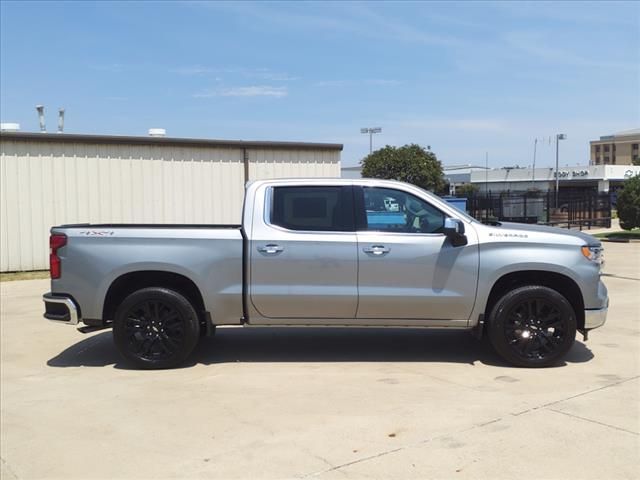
[56,241]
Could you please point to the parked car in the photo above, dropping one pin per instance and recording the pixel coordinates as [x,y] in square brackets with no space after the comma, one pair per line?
[310,253]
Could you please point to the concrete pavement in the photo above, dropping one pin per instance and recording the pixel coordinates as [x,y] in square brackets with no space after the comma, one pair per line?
[320,403]
[615,227]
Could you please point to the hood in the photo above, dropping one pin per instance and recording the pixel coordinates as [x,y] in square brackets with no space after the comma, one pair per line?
[586,238]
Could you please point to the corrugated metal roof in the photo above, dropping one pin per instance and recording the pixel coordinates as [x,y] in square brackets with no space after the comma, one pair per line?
[193,142]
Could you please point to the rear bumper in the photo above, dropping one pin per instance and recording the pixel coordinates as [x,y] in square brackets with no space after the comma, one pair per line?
[61,309]
[594,318]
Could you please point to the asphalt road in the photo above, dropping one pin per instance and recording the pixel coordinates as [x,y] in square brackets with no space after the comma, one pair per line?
[320,403]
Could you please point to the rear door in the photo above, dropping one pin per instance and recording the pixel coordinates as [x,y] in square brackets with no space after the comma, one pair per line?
[303,253]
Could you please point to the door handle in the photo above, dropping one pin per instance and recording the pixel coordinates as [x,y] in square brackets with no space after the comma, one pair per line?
[270,249]
[377,250]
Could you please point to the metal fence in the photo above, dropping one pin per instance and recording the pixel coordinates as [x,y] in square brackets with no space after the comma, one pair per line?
[575,209]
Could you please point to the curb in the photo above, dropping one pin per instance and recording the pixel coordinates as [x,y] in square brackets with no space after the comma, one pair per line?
[620,240]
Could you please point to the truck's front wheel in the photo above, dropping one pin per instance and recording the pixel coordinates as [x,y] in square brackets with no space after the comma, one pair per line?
[532,326]
[156,328]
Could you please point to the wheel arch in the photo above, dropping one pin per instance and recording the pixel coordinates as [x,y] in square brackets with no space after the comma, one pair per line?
[562,284]
[129,282]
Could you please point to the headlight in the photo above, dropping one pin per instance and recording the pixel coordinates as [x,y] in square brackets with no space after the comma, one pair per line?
[594,254]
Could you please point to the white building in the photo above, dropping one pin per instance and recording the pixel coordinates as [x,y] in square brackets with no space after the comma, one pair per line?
[603,178]
[456,175]
[351,172]
[53,179]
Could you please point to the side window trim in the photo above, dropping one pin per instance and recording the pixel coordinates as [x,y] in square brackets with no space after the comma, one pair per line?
[269,210]
[360,214]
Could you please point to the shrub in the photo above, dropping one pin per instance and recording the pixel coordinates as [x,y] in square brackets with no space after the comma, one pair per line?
[629,203]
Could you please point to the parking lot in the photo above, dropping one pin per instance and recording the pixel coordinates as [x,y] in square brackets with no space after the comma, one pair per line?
[321,403]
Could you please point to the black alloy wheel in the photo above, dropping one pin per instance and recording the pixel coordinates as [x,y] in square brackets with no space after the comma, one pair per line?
[156,328]
[532,326]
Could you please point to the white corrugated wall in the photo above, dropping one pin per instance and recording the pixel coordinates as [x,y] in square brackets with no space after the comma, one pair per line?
[52,183]
[264,164]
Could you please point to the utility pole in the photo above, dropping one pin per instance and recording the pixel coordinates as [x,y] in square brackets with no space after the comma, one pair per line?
[487,200]
[533,170]
[486,173]
[371,131]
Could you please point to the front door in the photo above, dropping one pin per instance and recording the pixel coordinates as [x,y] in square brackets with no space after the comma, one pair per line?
[303,254]
[408,269]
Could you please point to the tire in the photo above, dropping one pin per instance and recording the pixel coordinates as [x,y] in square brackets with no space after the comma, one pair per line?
[532,326]
[156,328]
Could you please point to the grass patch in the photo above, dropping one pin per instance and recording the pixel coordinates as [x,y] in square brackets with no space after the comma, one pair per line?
[622,234]
[36,275]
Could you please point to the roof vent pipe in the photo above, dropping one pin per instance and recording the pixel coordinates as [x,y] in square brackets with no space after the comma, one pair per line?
[157,132]
[40,109]
[60,120]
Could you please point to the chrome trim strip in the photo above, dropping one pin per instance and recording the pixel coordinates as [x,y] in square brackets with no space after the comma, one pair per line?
[74,319]
[595,318]
[268,212]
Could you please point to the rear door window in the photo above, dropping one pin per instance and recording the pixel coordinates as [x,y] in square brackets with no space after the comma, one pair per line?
[326,209]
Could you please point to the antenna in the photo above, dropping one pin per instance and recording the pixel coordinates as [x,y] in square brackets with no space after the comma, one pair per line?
[43,127]
[60,120]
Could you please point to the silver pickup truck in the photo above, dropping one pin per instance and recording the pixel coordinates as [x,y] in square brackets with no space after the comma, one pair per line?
[327,252]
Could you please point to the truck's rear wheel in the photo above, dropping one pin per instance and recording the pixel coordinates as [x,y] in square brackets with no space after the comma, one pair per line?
[156,328]
[532,326]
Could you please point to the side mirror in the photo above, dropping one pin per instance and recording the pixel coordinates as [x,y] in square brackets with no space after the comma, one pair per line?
[454,231]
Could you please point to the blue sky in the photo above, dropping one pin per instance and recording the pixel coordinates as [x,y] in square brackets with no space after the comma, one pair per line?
[464,78]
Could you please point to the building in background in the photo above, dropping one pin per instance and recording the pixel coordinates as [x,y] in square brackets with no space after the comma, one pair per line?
[455,175]
[600,178]
[622,148]
[50,179]
[351,172]
[458,175]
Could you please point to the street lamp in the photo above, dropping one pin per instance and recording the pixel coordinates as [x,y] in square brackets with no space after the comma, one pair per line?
[371,131]
[559,136]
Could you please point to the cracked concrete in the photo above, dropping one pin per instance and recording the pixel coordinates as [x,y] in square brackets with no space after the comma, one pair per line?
[595,421]
[320,403]
[482,425]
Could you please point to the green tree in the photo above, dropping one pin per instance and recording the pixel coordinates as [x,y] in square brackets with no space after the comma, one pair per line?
[629,203]
[466,190]
[409,163]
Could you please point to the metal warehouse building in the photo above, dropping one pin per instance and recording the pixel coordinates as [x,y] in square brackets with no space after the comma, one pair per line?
[51,179]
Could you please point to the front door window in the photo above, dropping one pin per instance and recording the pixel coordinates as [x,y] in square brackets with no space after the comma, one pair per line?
[389,210]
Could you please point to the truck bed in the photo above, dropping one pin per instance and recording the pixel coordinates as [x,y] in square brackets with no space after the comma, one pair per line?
[98,255]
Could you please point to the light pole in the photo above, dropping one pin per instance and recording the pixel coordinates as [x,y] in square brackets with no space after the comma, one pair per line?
[371,131]
[486,174]
[533,170]
[559,136]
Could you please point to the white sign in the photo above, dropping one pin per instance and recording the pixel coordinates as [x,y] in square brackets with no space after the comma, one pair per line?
[572,174]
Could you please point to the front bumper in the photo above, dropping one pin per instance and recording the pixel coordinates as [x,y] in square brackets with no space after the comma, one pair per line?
[61,309]
[594,318]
